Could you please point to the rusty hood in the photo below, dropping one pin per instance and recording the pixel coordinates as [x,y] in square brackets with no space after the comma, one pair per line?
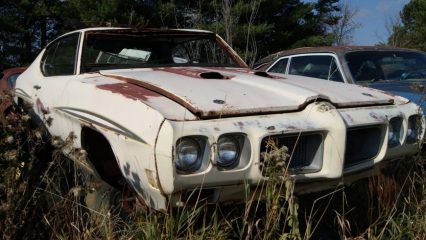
[222,92]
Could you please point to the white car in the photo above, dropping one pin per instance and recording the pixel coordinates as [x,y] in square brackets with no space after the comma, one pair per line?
[173,111]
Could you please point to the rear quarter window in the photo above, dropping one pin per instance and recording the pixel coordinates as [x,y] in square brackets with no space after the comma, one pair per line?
[60,57]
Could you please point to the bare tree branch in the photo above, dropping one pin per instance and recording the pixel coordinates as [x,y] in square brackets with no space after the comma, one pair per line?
[346,26]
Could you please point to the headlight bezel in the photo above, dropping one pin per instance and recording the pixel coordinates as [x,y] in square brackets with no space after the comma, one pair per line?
[234,139]
[395,132]
[413,134]
[200,143]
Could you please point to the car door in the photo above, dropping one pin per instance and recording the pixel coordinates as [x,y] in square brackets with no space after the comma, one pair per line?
[58,67]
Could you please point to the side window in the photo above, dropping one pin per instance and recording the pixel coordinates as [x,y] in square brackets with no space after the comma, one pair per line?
[317,66]
[280,66]
[60,57]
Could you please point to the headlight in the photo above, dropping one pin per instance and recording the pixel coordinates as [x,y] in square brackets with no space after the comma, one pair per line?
[395,132]
[413,130]
[228,151]
[188,153]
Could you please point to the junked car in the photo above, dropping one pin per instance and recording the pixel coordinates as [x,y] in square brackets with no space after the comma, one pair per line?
[7,83]
[169,112]
[395,70]
[9,76]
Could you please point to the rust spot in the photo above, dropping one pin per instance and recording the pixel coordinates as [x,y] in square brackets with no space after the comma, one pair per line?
[271,128]
[130,91]
[160,91]
[349,118]
[218,101]
[40,107]
[323,107]
[217,129]
[240,125]
[291,127]
[151,179]
[212,113]
[376,116]
[49,121]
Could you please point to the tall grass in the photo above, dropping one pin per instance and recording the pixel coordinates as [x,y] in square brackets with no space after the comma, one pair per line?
[42,197]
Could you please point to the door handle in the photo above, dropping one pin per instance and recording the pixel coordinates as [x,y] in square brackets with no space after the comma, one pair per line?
[37,87]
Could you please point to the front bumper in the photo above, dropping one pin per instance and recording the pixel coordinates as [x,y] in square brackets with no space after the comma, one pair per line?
[336,126]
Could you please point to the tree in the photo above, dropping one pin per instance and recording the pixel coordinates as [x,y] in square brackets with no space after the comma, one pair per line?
[297,24]
[276,24]
[25,28]
[27,25]
[344,29]
[395,32]
[104,12]
[411,31]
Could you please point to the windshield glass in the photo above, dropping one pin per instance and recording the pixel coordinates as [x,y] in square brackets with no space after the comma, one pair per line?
[370,66]
[131,50]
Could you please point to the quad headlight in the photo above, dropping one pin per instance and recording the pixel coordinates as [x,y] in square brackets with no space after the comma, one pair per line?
[228,151]
[188,154]
[413,129]
[395,132]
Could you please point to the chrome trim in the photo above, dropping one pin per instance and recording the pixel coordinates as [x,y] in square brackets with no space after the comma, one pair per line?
[101,121]
[22,93]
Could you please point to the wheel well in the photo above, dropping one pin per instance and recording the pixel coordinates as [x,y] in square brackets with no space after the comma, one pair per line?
[102,157]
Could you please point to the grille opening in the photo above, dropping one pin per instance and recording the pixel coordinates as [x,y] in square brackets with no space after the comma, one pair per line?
[362,144]
[306,151]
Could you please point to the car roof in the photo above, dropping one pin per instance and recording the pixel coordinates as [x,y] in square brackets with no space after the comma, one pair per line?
[136,30]
[330,49]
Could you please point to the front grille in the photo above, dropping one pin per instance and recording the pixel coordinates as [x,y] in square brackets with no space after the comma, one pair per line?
[306,151]
[362,144]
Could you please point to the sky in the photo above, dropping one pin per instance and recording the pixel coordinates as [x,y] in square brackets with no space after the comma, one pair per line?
[372,17]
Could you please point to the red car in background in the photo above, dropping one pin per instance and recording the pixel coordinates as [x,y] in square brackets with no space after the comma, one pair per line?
[9,76]
[7,82]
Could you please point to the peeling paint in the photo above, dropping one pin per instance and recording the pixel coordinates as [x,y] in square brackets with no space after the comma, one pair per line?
[323,107]
[40,107]
[130,91]
[151,179]
[271,128]
[377,116]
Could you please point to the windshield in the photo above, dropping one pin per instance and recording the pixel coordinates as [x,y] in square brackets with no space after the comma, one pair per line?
[370,66]
[131,50]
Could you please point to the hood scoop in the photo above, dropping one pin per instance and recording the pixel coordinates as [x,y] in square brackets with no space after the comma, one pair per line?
[266,75]
[213,75]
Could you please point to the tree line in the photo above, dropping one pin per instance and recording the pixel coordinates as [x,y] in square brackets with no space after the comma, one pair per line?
[254,28]
[409,28]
